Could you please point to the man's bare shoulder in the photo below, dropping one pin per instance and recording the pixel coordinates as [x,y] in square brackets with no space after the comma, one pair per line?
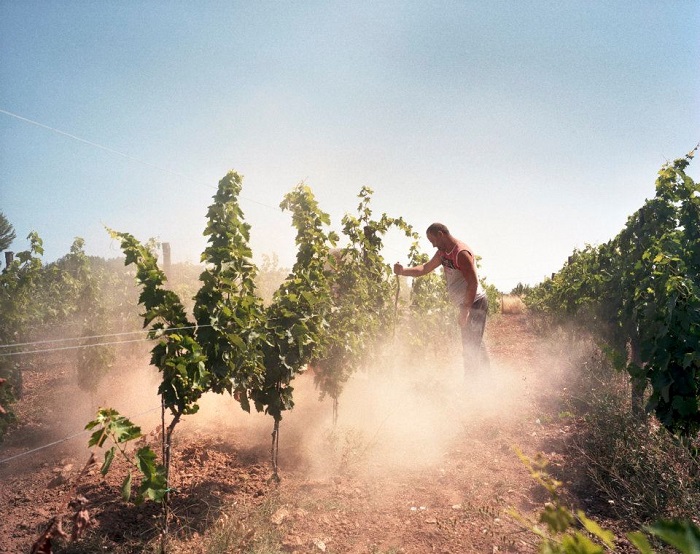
[465,250]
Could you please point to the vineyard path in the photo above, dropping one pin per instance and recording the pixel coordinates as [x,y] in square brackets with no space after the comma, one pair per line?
[419,461]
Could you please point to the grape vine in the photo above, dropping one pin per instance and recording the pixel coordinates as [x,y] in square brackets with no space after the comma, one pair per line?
[642,291]
[362,290]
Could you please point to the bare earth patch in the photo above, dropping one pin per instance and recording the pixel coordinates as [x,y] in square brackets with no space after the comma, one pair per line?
[418,463]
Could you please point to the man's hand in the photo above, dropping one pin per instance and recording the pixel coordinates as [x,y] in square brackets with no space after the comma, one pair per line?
[398,269]
[463,315]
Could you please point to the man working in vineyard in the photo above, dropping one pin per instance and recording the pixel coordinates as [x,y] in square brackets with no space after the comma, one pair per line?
[463,288]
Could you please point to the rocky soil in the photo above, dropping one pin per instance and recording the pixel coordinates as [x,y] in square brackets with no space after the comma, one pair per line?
[420,462]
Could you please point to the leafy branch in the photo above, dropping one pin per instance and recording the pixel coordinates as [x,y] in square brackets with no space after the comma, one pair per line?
[641,291]
[296,321]
[363,314]
[559,530]
[108,424]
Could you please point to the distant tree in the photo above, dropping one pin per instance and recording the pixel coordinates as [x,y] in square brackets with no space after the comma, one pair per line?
[521,289]
[7,233]
[270,277]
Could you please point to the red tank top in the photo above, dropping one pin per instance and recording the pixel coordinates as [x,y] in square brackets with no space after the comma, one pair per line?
[449,259]
[456,284]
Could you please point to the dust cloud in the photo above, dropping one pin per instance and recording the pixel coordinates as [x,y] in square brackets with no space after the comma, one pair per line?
[53,410]
[390,417]
[408,419]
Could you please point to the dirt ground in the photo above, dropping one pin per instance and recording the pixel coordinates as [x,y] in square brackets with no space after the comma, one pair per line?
[418,462]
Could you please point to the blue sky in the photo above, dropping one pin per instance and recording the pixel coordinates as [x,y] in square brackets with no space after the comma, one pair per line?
[529,128]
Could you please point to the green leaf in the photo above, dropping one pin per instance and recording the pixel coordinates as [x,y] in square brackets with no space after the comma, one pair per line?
[146,460]
[98,438]
[687,406]
[123,430]
[665,392]
[640,541]
[557,518]
[580,544]
[154,485]
[112,425]
[594,529]
[109,457]
[126,488]
[683,535]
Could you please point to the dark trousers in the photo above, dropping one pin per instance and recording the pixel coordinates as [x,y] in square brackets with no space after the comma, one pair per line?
[473,349]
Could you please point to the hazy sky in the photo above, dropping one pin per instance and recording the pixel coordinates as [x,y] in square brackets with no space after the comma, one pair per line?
[529,128]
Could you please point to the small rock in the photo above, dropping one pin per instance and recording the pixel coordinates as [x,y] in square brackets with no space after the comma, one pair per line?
[318,543]
[292,541]
[57,481]
[42,512]
[279,516]
[431,520]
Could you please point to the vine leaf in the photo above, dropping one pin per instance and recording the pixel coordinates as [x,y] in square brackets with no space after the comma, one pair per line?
[109,458]
[126,487]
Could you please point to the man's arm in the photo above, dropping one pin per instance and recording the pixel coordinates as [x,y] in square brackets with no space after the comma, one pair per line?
[419,270]
[468,268]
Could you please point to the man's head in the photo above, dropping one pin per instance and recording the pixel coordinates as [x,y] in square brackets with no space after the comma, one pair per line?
[439,236]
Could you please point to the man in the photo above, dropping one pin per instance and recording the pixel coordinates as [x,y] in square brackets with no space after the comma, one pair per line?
[464,290]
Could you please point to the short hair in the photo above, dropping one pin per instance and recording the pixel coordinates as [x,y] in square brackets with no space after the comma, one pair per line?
[438,228]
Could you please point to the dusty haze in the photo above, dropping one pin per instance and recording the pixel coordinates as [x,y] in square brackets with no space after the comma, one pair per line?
[390,417]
